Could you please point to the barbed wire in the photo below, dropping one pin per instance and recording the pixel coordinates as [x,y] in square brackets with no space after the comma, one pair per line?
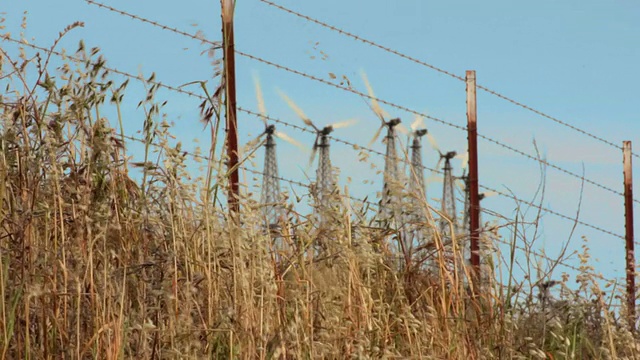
[110,69]
[297,183]
[256,172]
[439,171]
[300,184]
[176,89]
[403,108]
[483,187]
[333,138]
[400,107]
[201,97]
[542,208]
[217,45]
[442,71]
[543,256]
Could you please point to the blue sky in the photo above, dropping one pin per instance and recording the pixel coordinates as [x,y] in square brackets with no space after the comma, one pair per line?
[575,60]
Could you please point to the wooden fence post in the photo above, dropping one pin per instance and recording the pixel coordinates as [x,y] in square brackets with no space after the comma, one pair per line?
[474,197]
[628,214]
[230,109]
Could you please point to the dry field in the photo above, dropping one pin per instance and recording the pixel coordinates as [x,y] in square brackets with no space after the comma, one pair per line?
[96,265]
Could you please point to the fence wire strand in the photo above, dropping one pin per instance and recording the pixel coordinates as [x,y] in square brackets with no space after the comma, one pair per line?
[442,71]
[397,106]
[355,146]
[216,45]
[300,184]
[371,43]
[441,121]
[176,89]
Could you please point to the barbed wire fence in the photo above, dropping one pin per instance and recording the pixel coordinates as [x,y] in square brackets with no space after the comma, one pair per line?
[333,137]
[521,248]
[440,70]
[389,103]
[256,115]
[527,251]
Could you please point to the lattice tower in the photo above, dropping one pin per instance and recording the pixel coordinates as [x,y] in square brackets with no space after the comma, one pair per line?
[416,181]
[270,197]
[449,215]
[325,181]
[324,172]
[416,218]
[390,202]
[448,197]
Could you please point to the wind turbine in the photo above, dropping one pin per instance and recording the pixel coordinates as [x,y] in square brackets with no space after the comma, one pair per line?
[448,207]
[325,182]
[448,222]
[416,218]
[270,197]
[416,180]
[390,202]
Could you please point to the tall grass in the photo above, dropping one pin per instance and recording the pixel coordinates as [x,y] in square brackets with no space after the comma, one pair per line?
[96,265]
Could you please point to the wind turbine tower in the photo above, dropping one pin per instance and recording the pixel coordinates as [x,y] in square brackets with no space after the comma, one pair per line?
[416,176]
[325,181]
[390,202]
[448,197]
[390,207]
[416,216]
[270,199]
[448,208]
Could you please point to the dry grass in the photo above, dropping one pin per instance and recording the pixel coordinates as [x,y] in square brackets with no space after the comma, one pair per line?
[96,265]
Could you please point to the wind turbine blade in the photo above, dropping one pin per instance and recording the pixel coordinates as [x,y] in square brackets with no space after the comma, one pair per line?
[289,139]
[343,124]
[375,137]
[439,163]
[261,108]
[435,173]
[402,129]
[375,106]
[313,153]
[297,110]
[417,123]
[465,159]
[433,142]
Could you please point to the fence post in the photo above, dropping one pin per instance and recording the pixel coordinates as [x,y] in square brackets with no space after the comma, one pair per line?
[628,214]
[230,106]
[474,197]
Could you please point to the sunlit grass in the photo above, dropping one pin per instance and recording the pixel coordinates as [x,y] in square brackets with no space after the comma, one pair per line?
[96,265]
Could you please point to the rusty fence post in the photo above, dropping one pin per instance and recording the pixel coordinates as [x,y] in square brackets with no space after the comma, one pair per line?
[474,197]
[230,106]
[628,214]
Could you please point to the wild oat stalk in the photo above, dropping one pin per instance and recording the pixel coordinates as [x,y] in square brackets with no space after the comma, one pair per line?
[97,264]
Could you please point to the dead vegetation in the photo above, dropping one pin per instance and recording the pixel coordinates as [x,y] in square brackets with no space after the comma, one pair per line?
[94,264]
